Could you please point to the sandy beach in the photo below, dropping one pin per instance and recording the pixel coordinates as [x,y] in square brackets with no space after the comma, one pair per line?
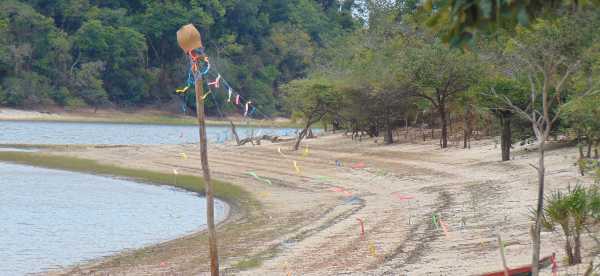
[310,219]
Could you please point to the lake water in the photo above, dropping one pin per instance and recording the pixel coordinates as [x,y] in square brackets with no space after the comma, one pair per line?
[25,132]
[52,218]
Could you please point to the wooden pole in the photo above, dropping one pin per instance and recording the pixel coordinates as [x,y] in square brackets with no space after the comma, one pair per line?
[210,212]
[501,247]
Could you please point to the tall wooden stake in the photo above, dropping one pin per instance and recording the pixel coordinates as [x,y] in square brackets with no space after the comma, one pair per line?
[210,212]
[501,247]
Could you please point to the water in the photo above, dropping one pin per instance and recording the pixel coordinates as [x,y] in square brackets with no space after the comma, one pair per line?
[24,132]
[52,218]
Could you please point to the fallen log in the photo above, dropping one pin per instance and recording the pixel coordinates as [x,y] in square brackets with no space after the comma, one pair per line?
[257,140]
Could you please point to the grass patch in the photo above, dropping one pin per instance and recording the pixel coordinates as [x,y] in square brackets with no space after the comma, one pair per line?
[256,260]
[161,120]
[223,190]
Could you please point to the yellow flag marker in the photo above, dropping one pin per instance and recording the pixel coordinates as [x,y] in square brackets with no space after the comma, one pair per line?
[182,90]
[296,167]
[205,95]
[305,153]
[183,155]
[265,194]
[372,249]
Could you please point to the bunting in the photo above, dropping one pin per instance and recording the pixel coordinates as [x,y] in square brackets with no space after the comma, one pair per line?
[200,65]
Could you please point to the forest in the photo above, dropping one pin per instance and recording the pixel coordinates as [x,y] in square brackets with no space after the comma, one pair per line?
[124,54]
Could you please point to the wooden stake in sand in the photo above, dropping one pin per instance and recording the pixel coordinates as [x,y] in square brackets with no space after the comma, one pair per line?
[501,246]
[189,39]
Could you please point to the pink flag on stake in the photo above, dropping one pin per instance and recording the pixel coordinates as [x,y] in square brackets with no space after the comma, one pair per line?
[237,99]
[362,228]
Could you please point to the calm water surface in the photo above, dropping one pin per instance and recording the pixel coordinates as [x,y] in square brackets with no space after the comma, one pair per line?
[52,218]
[24,132]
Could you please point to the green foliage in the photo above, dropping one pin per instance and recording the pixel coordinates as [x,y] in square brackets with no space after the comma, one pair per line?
[88,84]
[258,45]
[583,116]
[572,210]
[495,91]
[310,99]
[458,21]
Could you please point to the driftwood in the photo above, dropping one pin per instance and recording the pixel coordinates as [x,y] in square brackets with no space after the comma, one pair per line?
[257,140]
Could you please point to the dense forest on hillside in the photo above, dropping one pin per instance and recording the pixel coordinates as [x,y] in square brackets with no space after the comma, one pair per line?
[112,53]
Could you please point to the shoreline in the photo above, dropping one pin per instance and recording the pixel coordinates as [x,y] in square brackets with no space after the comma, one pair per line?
[237,201]
[306,226]
[142,117]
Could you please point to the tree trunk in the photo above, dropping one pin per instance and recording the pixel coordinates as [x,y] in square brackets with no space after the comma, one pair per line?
[465,133]
[210,211]
[589,147]
[506,138]
[301,135]
[388,137]
[468,128]
[431,126]
[234,132]
[406,129]
[569,250]
[444,137]
[540,208]
[577,249]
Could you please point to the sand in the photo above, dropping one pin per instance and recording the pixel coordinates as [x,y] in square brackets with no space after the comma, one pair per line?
[309,221]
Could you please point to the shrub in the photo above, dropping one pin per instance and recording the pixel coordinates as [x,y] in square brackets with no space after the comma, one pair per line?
[572,210]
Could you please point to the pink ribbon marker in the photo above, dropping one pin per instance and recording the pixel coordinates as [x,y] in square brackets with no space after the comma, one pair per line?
[359,165]
[362,228]
[444,226]
[401,196]
[216,82]
[237,99]
[337,189]
[341,190]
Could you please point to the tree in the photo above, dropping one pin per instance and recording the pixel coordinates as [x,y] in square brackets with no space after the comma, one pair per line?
[583,116]
[88,84]
[549,54]
[311,100]
[439,75]
[503,88]
[459,21]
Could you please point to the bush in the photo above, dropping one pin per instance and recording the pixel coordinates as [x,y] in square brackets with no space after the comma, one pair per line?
[572,210]
[73,103]
[2,96]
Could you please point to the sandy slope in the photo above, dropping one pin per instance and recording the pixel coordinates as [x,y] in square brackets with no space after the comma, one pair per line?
[307,228]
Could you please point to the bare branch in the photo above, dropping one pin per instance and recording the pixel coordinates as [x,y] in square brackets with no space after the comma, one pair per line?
[512,106]
[536,168]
